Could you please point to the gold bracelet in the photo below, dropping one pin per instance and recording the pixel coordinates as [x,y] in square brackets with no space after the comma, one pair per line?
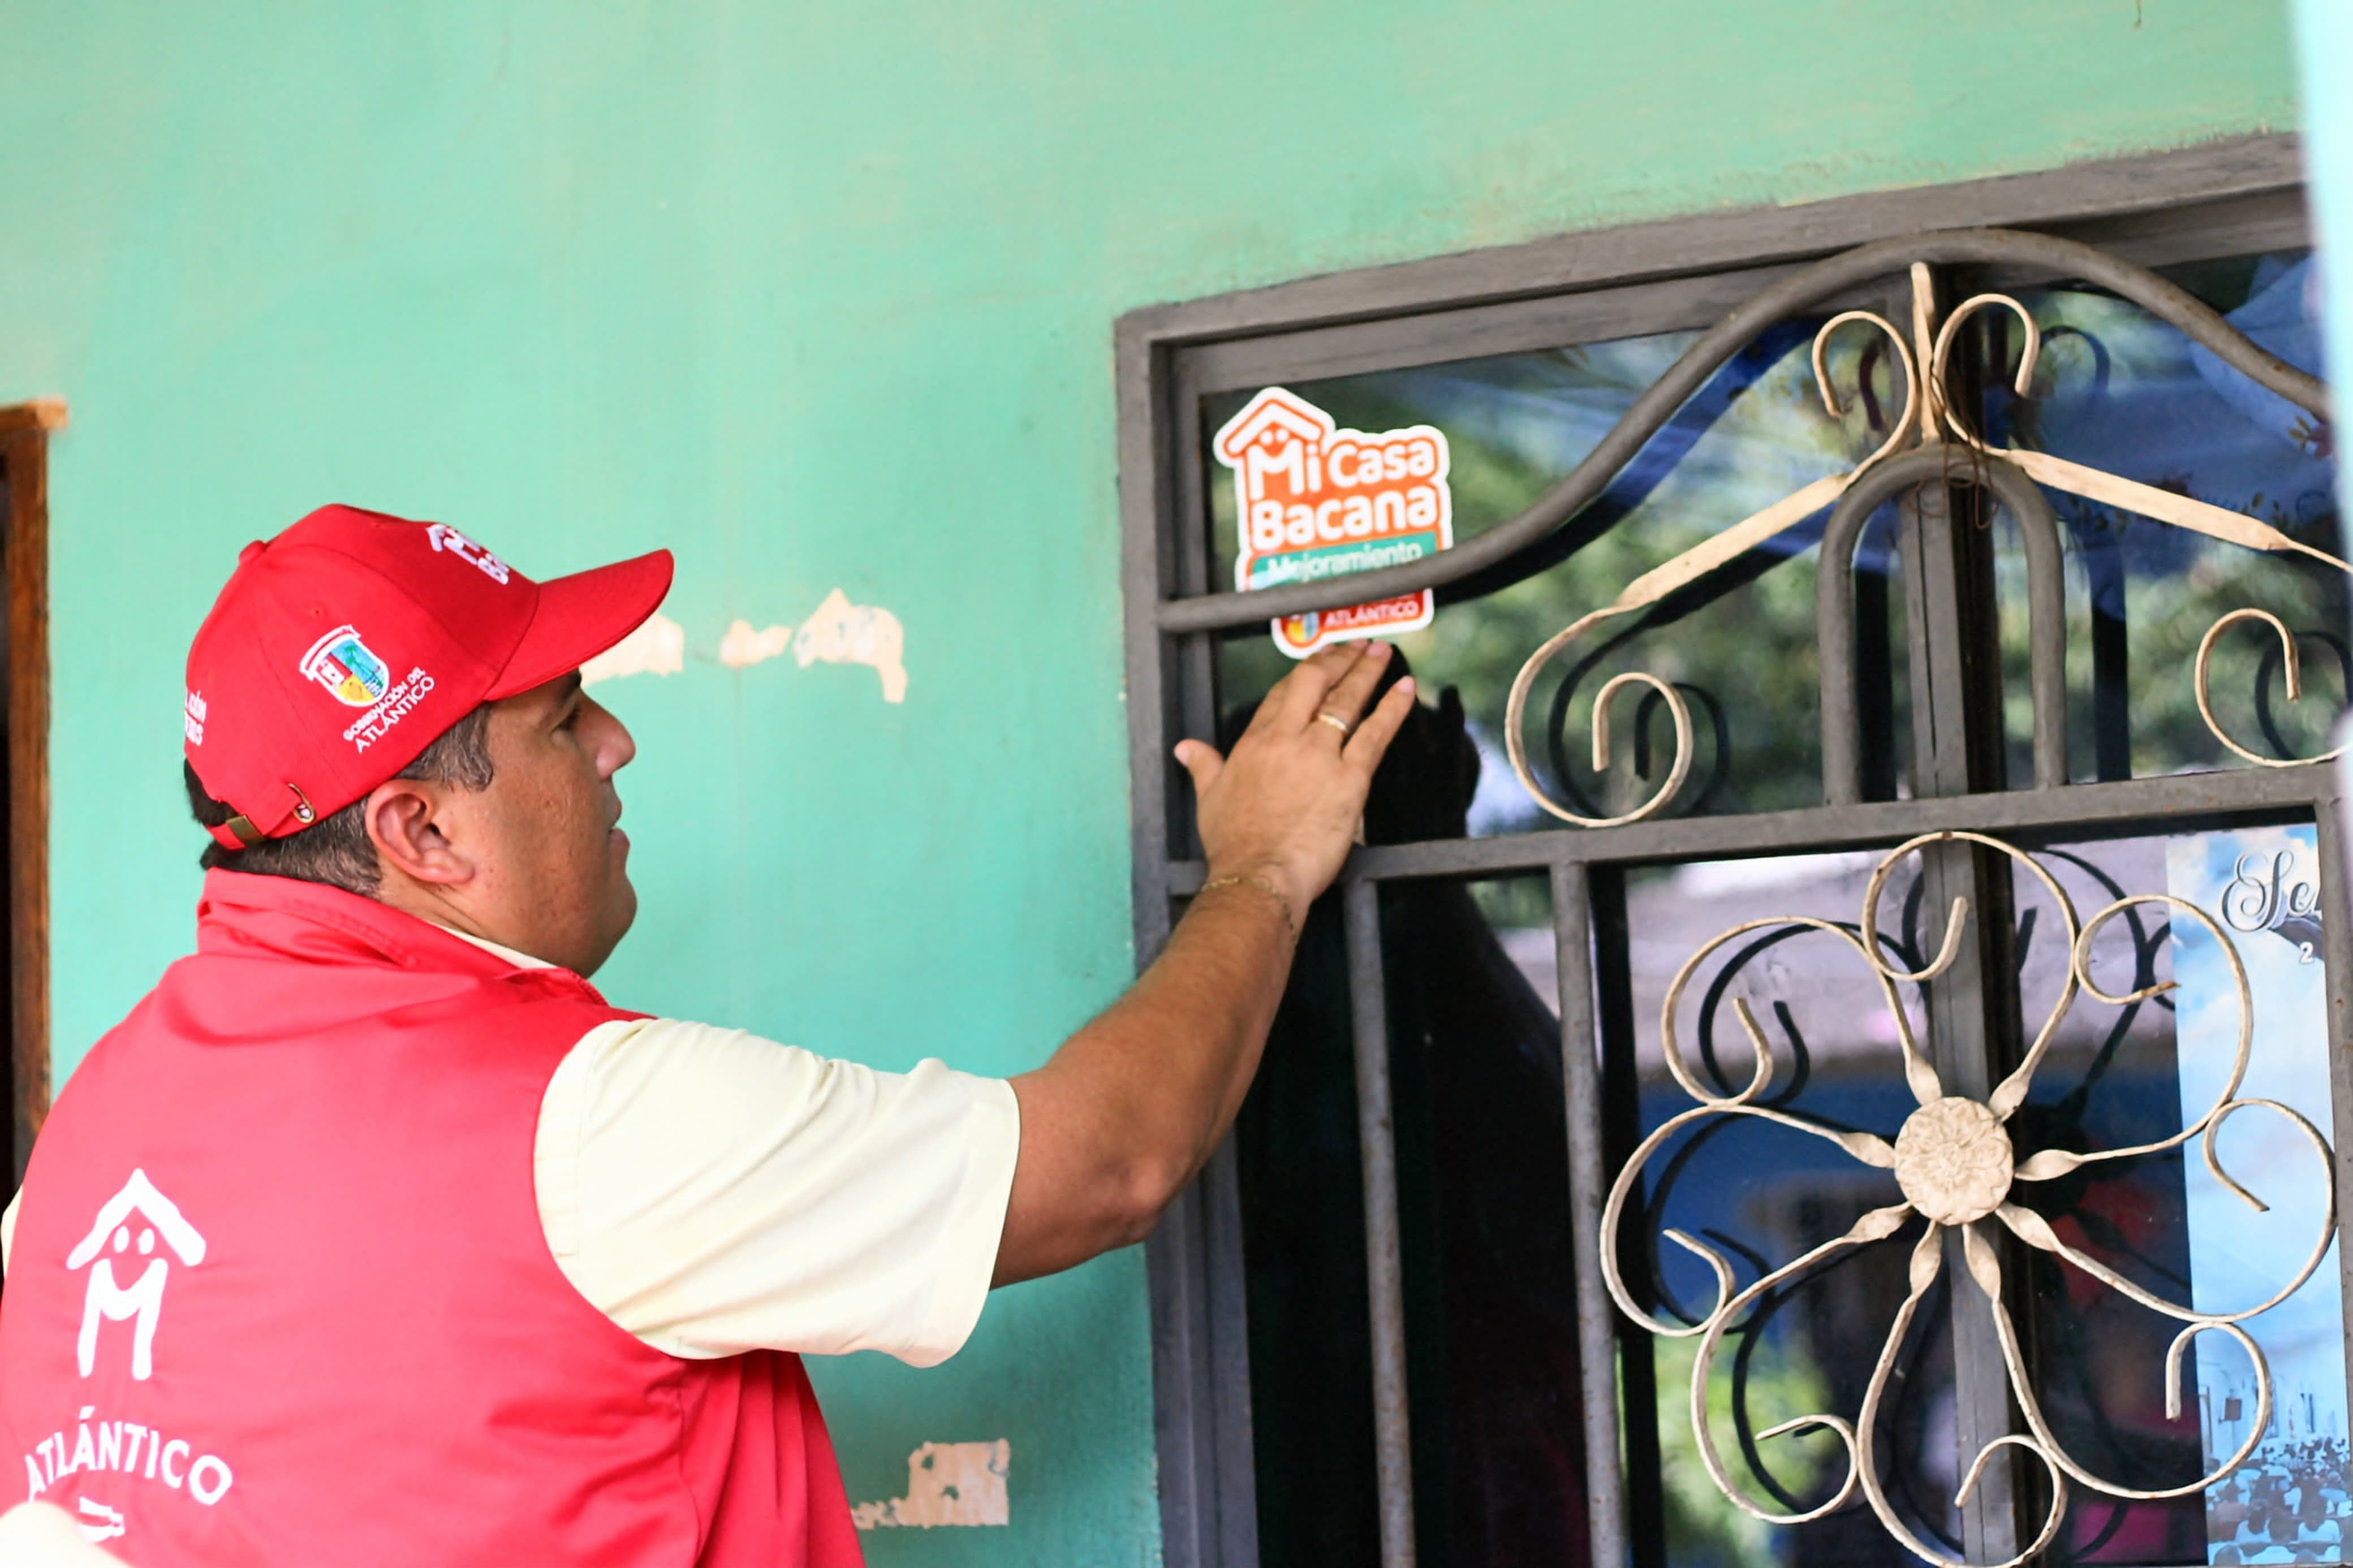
[1290,920]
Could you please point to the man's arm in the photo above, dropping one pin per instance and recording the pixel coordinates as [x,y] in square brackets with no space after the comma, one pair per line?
[1126,1114]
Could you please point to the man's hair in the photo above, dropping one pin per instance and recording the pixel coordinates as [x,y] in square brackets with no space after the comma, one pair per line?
[335,849]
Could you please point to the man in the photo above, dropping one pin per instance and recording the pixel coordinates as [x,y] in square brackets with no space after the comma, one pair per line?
[375,1236]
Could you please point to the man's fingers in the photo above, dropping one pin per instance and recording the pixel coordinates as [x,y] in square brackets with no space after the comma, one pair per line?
[1304,690]
[1373,736]
[1201,760]
[1346,700]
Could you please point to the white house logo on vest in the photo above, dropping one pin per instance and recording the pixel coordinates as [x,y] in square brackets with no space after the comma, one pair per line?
[346,667]
[98,1522]
[141,1302]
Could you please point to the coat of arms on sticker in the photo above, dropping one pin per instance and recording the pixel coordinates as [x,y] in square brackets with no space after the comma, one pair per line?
[1314,501]
[347,666]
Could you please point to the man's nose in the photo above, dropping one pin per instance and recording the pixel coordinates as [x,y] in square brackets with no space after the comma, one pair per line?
[615,748]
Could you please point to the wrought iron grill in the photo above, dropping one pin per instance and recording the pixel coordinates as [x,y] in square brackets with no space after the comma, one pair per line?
[1960,821]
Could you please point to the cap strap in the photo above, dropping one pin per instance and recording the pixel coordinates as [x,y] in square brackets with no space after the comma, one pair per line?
[240,833]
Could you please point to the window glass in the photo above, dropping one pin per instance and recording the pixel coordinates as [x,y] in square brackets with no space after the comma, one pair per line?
[2123,1077]
[2115,1078]
[2119,390]
[1480,1132]
[1761,1195]
[1741,645]
[1470,981]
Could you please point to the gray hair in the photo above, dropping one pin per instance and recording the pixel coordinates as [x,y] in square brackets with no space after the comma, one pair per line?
[335,849]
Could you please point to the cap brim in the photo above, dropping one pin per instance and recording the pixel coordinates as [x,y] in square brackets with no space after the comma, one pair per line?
[580,617]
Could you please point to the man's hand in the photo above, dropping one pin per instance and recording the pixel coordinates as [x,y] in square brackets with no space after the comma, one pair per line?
[1130,1108]
[1285,805]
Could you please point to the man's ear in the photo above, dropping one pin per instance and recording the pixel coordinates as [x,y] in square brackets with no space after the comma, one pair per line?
[402,820]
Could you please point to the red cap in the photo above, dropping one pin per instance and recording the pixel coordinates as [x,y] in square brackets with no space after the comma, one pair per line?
[346,646]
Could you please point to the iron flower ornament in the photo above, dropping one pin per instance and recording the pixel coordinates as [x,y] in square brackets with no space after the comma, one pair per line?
[1954,1165]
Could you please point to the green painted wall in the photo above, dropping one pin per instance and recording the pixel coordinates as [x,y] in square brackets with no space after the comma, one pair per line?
[821,297]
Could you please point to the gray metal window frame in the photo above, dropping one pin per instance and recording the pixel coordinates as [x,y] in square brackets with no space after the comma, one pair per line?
[1685,273]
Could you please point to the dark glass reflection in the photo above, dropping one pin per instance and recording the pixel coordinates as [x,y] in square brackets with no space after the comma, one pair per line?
[1481,1154]
[1763,1195]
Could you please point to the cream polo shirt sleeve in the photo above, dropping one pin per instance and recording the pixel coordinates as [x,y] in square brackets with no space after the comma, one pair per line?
[713,1192]
[43,1535]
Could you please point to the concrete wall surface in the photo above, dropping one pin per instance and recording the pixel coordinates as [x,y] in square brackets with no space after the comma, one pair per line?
[821,297]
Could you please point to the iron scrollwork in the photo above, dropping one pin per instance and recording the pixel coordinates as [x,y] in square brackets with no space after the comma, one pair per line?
[1931,442]
[1956,1168]
[1717,551]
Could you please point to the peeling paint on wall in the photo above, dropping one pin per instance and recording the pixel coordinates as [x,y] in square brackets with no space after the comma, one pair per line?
[839,633]
[658,648]
[948,1483]
[844,633]
[742,645]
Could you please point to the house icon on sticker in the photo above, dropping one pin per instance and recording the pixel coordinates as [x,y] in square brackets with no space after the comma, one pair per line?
[141,1302]
[1273,420]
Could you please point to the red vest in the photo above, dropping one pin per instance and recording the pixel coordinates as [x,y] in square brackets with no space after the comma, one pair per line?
[280,1294]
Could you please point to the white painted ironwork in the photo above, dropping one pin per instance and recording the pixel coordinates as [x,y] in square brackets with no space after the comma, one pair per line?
[1930,407]
[1954,1164]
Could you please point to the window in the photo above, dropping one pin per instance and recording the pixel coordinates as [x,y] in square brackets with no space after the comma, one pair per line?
[1383,1330]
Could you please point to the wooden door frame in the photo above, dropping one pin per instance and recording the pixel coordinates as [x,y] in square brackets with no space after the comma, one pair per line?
[24,431]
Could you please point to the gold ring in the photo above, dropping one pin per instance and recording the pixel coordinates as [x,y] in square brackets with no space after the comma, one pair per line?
[1325,716]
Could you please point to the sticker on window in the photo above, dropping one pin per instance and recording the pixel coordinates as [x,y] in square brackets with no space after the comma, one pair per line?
[1316,501]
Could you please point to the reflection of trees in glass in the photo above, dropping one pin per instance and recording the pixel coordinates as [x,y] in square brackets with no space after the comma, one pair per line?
[2125,392]
[1703,1530]
[2168,611]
